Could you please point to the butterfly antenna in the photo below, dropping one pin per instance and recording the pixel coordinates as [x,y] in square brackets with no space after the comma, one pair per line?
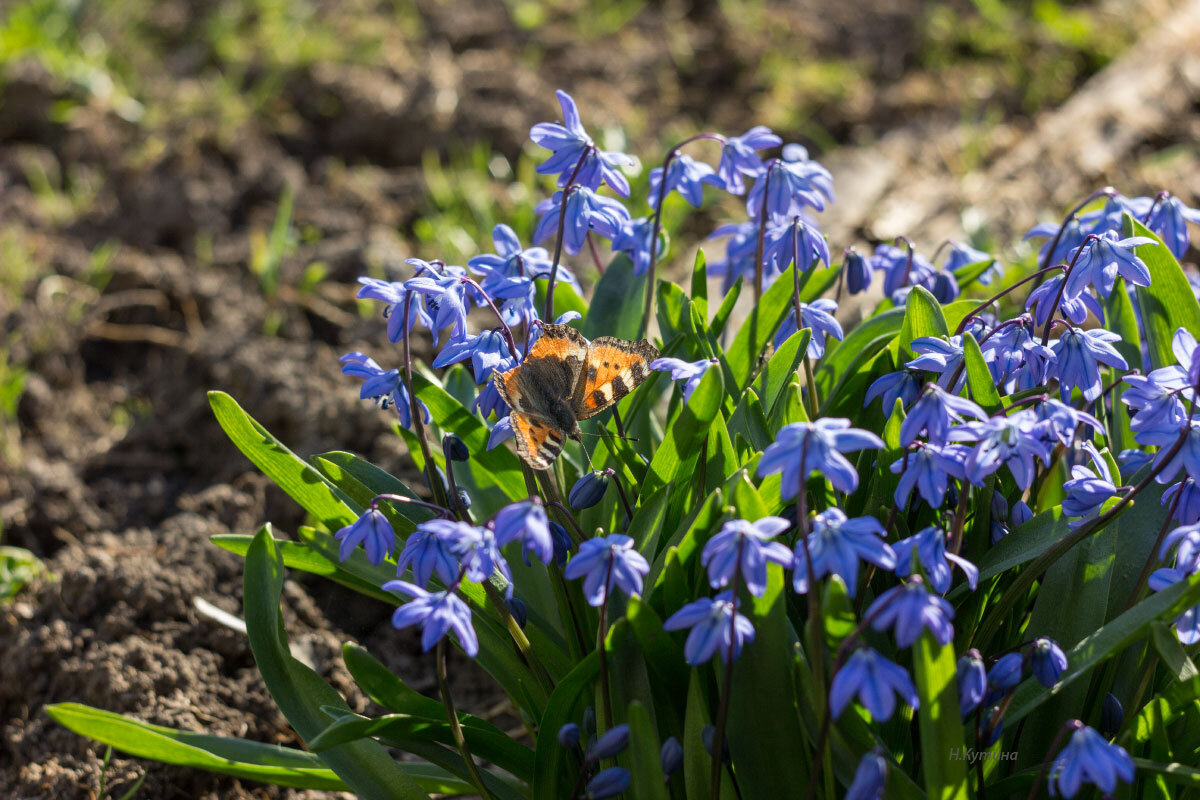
[615,436]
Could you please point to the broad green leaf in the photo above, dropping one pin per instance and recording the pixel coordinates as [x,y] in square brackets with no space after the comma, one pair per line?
[363,496]
[697,766]
[1168,303]
[783,364]
[750,421]
[282,766]
[565,299]
[837,612]
[721,317]
[923,316]
[1177,774]
[378,481]
[682,443]
[1177,699]
[979,377]
[302,482]
[1109,640]
[1171,651]
[299,692]
[297,555]
[648,781]
[616,307]
[700,285]
[490,745]
[553,766]
[1025,543]
[758,330]
[860,345]
[941,729]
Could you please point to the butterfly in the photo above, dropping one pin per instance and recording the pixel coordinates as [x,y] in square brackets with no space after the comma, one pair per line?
[565,379]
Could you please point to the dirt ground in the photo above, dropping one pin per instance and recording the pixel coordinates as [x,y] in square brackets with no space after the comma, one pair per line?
[127,294]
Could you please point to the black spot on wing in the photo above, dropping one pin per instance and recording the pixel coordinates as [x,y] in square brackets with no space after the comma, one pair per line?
[619,387]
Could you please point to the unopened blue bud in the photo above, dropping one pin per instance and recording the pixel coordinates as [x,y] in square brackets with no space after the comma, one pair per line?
[608,783]
[562,542]
[1112,716]
[1006,673]
[568,736]
[671,756]
[1048,661]
[858,272]
[464,499]
[707,735]
[456,448]
[612,742]
[516,607]
[588,490]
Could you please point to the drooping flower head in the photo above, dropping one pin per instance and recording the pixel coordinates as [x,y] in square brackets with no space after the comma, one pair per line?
[569,142]
[586,212]
[1077,358]
[373,531]
[819,446]
[835,546]
[690,372]
[605,563]
[875,681]
[910,608]
[742,549]
[739,157]
[436,614]
[686,176]
[818,317]
[929,546]
[1089,758]
[716,625]
[384,386]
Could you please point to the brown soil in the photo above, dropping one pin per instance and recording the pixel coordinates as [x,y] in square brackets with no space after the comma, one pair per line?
[120,474]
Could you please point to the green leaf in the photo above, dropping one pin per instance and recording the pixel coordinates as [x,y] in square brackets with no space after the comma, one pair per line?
[554,767]
[979,377]
[758,330]
[646,767]
[923,316]
[784,363]
[362,495]
[837,612]
[565,298]
[297,555]
[682,443]
[302,482]
[941,727]
[1106,642]
[721,318]
[1025,543]
[616,307]
[1171,651]
[1168,303]
[700,284]
[282,766]
[1177,774]
[377,480]
[299,692]
[490,745]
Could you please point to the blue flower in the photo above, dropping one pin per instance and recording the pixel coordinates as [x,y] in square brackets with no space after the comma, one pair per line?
[382,385]
[430,550]
[1087,491]
[716,626]
[1077,356]
[869,778]
[393,293]
[568,736]
[791,186]
[1006,672]
[1100,260]
[963,255]
[1169,220]
[686,176]
[875,681]
[448,296]
[1186,373]
[857,270]
[1188,456]
[489,401]
[905,384]
[744,548]
[1047,661]
[488,352]
[1089,758]
[1074,309]
[1187,509]
[608,782]
[436,614]
[1014,441]
[739,157]
[688,371]
[1187,624]
[1059,421]
[373,531]
[525,522]
[929,469]
[835,546]
[512,260]
[605,562]
[500,432]
[1187,537]
[930,548]
[671,756]
[899,272]
[819,447]
[1072,236]
[935,411]
[634,240]
[972,681]
[783,241]
[816,316]
[941,356]
[568,143]
[740,252]
[586,212]
[909,608]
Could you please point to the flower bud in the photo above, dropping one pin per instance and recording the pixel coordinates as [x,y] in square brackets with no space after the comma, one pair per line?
[607,783]
[456,448]
[568,736]
[1006,673]
[707,735]
[870,776]
[999,531]
[612,742]
[516,607]
[972,681]
[464,499]
[999,506]
[562,542]
[1112,716]
[671,756]
[1020,514]
[588,490]
[1048,661]
[857,271]
[993,716]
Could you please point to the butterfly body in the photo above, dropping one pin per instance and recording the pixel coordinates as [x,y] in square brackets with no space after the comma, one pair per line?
[565,379]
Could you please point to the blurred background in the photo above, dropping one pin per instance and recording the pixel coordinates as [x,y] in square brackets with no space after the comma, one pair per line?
[189,188]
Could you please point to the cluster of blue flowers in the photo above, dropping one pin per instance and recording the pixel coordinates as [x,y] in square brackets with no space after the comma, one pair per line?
[949,443]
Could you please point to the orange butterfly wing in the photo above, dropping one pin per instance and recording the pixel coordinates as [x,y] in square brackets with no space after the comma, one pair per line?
[614,368]
[538,444]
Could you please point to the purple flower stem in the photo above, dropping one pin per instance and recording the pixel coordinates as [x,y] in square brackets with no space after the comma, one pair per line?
[562,224]
[507,331]
[402,498]
[1107,191]
[455,726]
[605,690]
[460,507]
[718,744]
[962,326]
[762,233]
[648,308]
[595,253]
[907,264]
[808,373]
[1158,198]
[1069,725]
[435,486]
